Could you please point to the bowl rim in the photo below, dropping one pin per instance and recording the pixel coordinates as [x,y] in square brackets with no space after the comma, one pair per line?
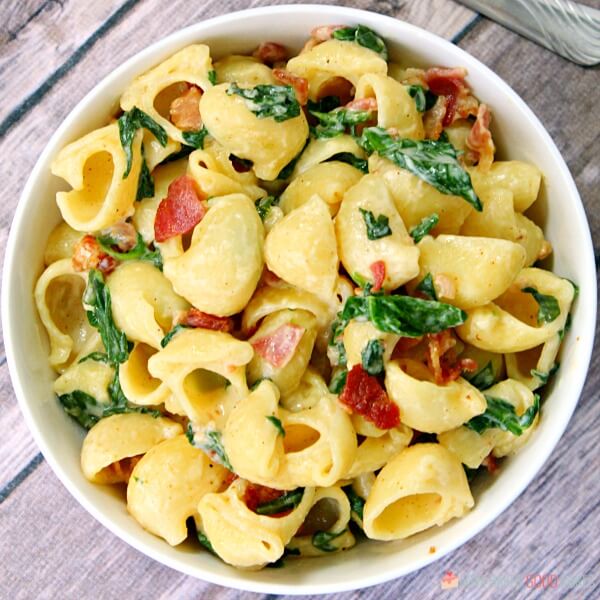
[9,310]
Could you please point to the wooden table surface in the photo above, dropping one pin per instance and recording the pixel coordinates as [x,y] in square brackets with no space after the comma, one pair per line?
[52,52]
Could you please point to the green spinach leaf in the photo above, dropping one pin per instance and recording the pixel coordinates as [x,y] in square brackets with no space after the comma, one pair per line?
[288,501]
[209,441]
[212,77]
[322,540]
[433,162]
[357,504]
[403,315]
[364,37]
[501,414]
[424,227]
[484,378]
[277,101]
[85,409]
[129,122]
[372,357]
[544,376]
[195,138]
[139,252]
[424,99]
[277,424]
[203,539]
[347,157]
[323,105]
[263,205]
[427,287]
[97,356]
[99,313]
[338,381]
[334,123]
[377,227]
[145,187]
[549,309]
[172,333]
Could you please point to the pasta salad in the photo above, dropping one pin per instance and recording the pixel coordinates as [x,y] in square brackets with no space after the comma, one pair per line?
[295,300]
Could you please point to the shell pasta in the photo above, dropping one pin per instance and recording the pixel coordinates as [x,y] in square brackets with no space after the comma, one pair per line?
[295,300]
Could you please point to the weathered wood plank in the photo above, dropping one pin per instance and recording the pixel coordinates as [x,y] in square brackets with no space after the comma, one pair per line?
[37,37]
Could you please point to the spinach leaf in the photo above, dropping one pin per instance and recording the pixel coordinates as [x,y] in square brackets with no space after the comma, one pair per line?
[433,162]
[139,252]
[209,441]
[377,227]
[364,37]
[323,105]
[338,381]
[501,414]
[145,187]
[424,99]
[129,122]
[195,138]
[357,504]
[334,123]
[566,328]
[85,409]
[99,314]
[277,101]
[212,77]
[322,540]
[549,309]
[288,501]
[347,157]
[543,376]
[263,205]
[172,333]
[372,357]
[424,227]
[203,539]
[277,424]
[427,287]
[403,315]
[484,378]
[97,356]
[337,341]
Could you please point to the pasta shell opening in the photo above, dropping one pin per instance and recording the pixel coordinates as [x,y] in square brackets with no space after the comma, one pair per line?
[299,437]
[409,514]
[98,173]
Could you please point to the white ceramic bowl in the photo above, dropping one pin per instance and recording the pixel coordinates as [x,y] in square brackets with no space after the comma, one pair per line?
[519,135]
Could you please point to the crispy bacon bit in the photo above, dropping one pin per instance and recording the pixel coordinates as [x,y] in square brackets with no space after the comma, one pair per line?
[480,140]
[256,495]
[185,110]
[378,270]
[444,286]
[300,84]
[404,344]
[490,463]
[121,470]
[227,481]
[369,104]
[124,235]
[443,363]
[270,53]
[322,33]
[88,255]
[364,395]
[279,346]
[458,102]
[434,118]
[269,278]
[339,87]
[180,211]
[196,318]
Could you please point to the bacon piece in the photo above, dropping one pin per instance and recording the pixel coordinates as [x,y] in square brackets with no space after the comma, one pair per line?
[490,463]
[369,104]
[444,286]
[88,255]
[227,481]
[378,270]
[180,211]
[441,362]
[256,495]
[185,110]
[300,84]
[270,53]
[404,344]
[364,395]
[123,234]
[196,318]
[322,33]
[433,119]
[480,140]
[120,471]
[279,346]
